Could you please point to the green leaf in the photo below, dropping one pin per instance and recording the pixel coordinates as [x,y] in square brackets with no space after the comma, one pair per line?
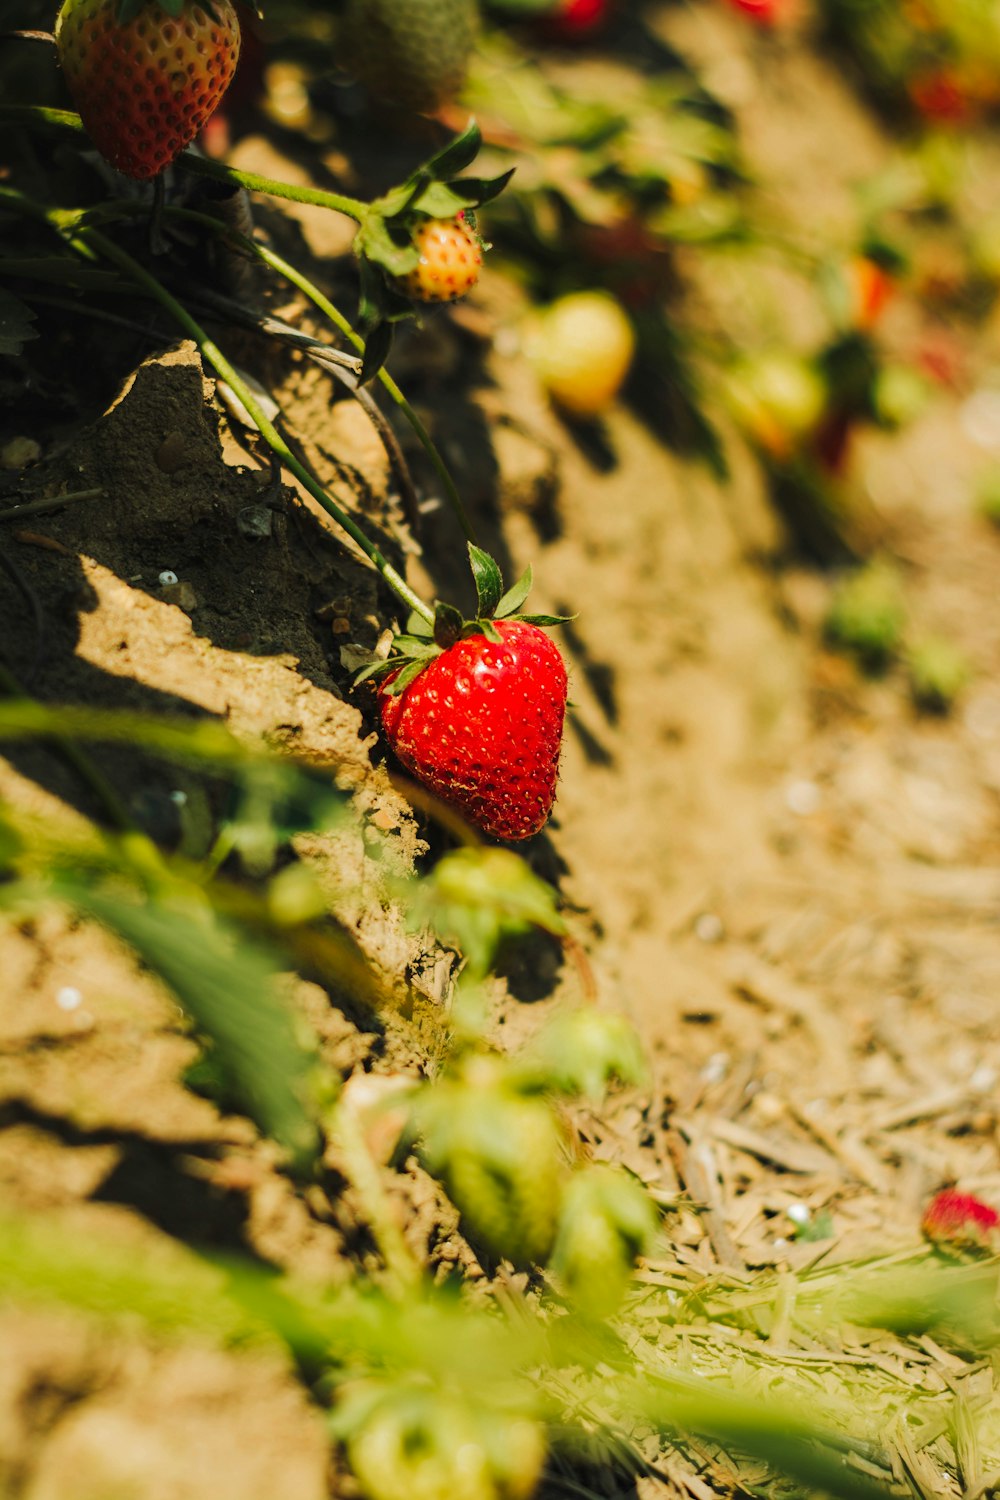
[377,348]
[417,625]
[581,1053]
[408,674]
[374,669]
[457,154]
[448,625]
[413,646]
[544,619]
[224,979]
[398,199]
[489,582]
[514,597]
[483,627]
[439,201]
[477,190]
[15,324]
[376,242]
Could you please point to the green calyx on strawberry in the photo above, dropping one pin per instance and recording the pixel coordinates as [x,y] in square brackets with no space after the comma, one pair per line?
[419,240]
[474,709]
[146,75]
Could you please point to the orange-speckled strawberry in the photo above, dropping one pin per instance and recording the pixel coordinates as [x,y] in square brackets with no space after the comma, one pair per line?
[451,257]
[146,74]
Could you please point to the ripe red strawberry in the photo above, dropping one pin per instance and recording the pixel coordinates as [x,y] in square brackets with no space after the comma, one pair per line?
[481,727]
[146,74]
[961,1220]
[764,12]
[575,20]
[451,256]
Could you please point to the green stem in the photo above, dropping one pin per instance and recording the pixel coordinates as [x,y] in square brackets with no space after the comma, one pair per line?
[75,757]
[106,247]
[336,317]
[202,166]
[363,1174]
[65,119]
[339,321]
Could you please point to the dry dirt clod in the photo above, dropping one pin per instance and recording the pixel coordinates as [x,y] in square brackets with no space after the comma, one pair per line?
[182,594]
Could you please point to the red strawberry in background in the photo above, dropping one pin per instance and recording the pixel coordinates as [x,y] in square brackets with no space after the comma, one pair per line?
[146,74]
[476,715]
[764,12]
[576,20]
[961,1221]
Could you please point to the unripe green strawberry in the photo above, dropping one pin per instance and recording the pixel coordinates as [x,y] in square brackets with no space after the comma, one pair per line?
[499,1156]
[867,614]
[607,1221]
[779,400]
[426,1444]
[412,53]
[451,257]
[147,83]
[582,347]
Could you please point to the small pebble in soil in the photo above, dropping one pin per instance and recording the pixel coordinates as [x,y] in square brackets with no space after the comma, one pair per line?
[181,594]
[708,927]
[716,1068]
[803,798]
[255,522]
[167,577]
[69,998]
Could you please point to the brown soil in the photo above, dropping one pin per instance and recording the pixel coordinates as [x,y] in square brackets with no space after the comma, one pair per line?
[779,870]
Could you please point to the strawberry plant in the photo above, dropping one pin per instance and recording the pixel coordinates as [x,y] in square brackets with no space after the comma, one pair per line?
[936,60]
[146,75]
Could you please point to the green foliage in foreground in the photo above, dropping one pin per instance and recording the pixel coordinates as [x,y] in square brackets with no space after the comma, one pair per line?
[429,1391]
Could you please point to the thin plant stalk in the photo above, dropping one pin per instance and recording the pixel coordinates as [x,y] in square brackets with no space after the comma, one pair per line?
[339,321]
[201,166]
[210,351]
[322,302]
[352,208]
[75,757]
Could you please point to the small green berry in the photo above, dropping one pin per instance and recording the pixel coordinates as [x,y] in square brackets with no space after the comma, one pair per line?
[988,496]
[867,615]
[938,671]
